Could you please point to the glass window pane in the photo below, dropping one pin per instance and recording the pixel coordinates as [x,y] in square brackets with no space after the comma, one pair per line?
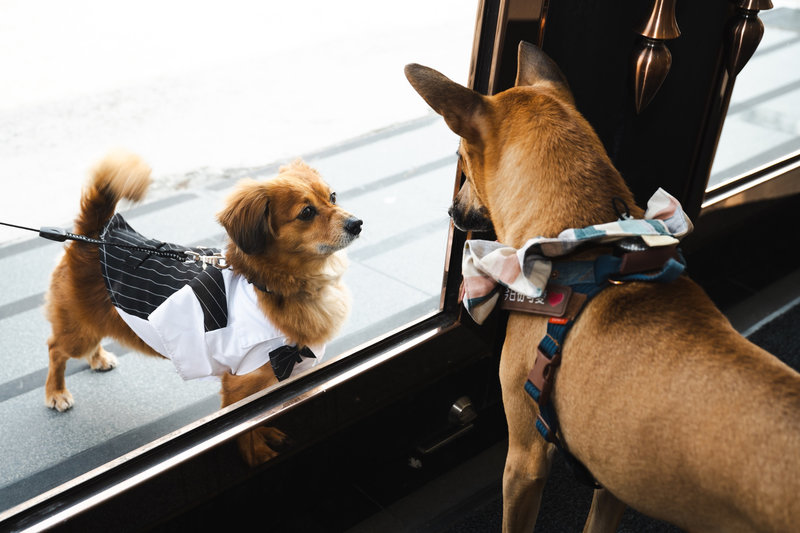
[208,92]
[763,121]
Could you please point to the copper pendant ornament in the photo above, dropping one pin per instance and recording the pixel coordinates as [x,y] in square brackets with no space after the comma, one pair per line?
[651,57]
[744,34]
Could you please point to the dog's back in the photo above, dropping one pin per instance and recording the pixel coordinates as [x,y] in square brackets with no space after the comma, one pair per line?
[681,416]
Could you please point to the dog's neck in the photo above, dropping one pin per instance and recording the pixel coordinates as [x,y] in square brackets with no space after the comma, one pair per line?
[551,207]
[286,277]
[308,304]
[566,182]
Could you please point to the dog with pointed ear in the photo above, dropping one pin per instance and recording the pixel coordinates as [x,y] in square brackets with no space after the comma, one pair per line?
[543,105]
[656,394]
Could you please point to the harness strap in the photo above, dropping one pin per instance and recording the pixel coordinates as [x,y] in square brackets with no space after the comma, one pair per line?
[607,269]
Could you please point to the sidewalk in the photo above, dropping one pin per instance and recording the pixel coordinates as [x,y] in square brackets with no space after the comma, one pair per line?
[398,181]
[197,89]
[208,95]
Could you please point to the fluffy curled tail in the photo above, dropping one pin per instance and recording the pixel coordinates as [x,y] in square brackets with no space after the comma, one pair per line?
[119,175]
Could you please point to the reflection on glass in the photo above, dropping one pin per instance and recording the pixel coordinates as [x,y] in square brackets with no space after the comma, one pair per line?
[763,121]
[235,91]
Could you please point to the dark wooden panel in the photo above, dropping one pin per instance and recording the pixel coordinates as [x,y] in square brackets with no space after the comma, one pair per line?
[670,144]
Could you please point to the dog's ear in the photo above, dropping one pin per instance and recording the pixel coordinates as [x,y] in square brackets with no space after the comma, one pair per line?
[246,217]
[534,66]
[460,106]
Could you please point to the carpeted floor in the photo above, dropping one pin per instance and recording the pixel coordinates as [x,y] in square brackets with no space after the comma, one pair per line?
[781,336]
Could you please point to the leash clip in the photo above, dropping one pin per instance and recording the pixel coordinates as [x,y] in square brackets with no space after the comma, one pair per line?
[215,260]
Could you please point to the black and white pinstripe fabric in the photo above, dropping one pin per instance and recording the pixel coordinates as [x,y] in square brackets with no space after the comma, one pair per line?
[138,282]
[207,322]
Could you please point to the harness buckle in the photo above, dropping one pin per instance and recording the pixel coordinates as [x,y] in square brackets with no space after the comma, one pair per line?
[215,260]
[542,375]
[544,429]
[646,260]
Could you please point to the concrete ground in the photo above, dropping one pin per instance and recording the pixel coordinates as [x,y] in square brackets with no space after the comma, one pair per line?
[397,181]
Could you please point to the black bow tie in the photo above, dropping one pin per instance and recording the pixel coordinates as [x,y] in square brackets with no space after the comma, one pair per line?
[284,358]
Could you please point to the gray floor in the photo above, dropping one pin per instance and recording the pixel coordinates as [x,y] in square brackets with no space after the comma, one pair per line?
[398,181]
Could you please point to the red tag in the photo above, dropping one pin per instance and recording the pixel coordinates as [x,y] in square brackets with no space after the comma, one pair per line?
[552,302]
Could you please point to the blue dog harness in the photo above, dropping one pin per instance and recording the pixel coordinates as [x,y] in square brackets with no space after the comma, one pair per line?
[584,280]
[531,280]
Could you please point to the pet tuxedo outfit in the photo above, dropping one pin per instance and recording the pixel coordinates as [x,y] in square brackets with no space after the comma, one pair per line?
[206,321]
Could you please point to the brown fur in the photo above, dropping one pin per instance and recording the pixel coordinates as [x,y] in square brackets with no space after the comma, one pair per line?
[270,244]
[674,412]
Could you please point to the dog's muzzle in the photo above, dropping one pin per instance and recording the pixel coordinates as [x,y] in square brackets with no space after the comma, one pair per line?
[471,219]
[351,230]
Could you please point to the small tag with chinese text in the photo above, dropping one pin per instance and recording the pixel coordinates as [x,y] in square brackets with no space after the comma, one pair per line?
[552,302]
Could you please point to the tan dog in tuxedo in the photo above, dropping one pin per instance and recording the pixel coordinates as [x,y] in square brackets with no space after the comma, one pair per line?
[284,236]
[672,411]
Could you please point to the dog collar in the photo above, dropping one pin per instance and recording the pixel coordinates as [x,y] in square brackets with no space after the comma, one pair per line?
[489,266]
[262,288]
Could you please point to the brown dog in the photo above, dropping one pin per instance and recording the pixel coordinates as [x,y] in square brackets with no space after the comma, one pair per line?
[283,237]
[671,410]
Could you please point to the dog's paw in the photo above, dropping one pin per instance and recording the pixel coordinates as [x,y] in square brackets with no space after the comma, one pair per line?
[262,444]
[102,360]
[275,438]
[60,401]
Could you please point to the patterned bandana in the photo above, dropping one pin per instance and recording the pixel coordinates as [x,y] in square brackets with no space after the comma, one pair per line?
[486,265]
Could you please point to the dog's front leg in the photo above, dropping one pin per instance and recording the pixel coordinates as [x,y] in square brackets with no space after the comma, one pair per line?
[263,443]
[605,513]
[529,454]
[524,477]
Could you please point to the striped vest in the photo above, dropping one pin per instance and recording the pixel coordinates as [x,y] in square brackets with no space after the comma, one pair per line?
[207,322]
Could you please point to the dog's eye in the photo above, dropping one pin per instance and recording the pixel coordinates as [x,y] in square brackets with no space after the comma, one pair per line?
[307,213]
[333,198]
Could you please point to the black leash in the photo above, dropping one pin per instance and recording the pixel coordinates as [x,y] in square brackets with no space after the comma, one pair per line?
[61,235]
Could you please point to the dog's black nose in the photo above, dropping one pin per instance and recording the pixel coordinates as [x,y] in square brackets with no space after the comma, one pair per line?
[353,226]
